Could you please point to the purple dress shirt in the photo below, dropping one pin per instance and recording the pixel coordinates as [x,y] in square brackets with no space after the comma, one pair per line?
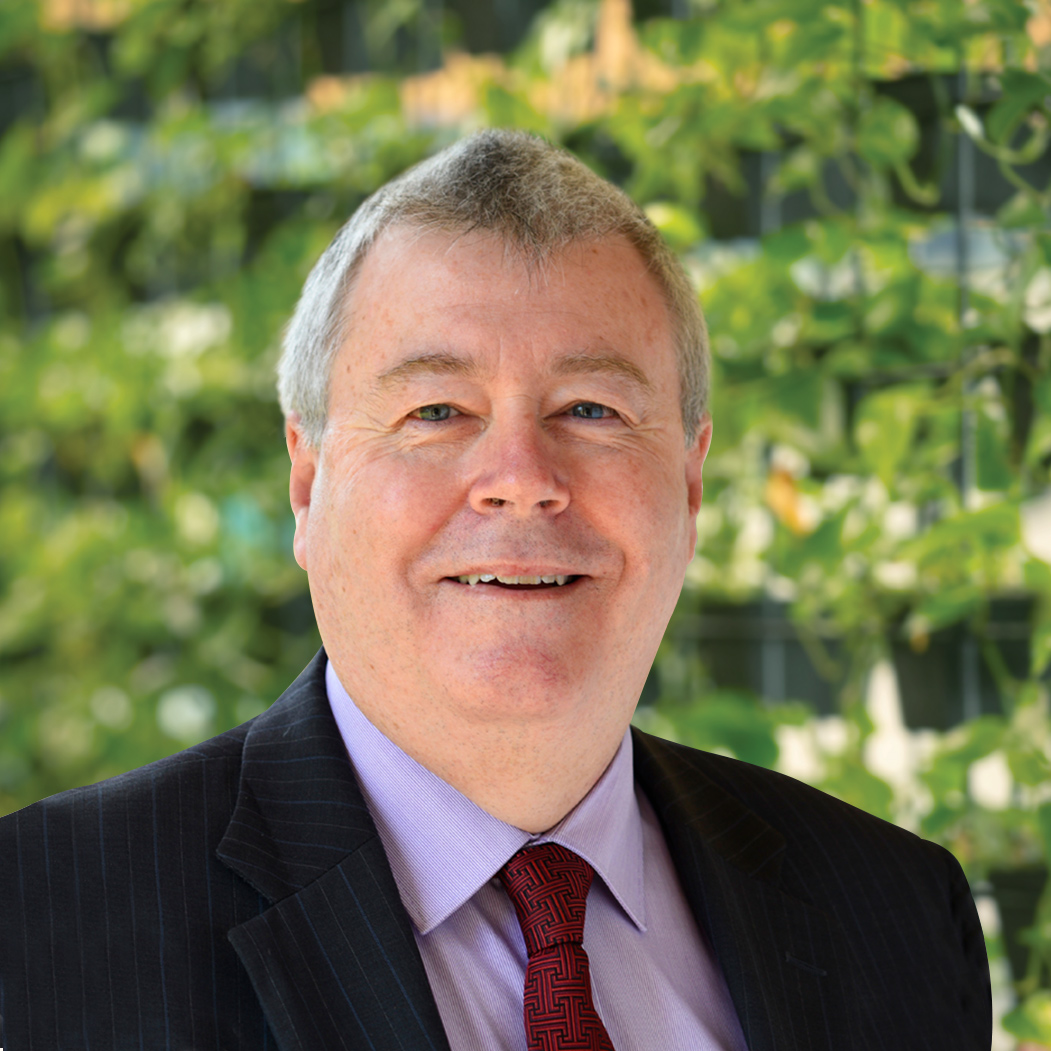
[656,984]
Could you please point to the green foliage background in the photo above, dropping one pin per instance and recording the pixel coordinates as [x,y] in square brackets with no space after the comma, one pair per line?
[168,175]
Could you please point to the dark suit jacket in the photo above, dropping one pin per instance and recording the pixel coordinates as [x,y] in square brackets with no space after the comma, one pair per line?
[236,896]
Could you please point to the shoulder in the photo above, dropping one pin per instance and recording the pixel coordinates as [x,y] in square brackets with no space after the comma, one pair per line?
[817,828]
[872,875]
[118,878]
[186,780]
[207,773]
[766,845]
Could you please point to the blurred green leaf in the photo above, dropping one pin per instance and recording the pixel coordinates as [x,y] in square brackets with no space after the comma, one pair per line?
[1043,818]
[676,40]
[884,428]
[505,109]
[726,721]
[973,740]
[786,245]
[887,133]
[1021,212]
[861,788]
[679,225]
[1022,92]
[948,605]
[994,469]
[1040,648]
[1031,1019]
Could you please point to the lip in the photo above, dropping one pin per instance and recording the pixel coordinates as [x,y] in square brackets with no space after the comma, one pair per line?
[505,570]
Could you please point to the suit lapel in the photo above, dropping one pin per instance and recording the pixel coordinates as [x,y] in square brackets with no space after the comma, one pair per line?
[786,962]
[333,959]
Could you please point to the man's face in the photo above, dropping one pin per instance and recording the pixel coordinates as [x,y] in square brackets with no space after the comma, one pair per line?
[488,425]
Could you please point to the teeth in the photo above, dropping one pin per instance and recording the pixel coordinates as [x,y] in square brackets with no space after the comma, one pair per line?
[486,578]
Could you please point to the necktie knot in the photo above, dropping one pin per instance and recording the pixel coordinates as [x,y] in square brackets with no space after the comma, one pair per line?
[548,886]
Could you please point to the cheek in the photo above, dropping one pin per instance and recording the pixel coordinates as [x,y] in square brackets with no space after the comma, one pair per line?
[645,506]
[386,509]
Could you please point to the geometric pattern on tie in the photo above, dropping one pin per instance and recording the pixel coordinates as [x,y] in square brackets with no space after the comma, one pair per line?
[548,886]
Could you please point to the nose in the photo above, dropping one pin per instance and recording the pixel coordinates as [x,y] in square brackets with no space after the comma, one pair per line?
[516,469]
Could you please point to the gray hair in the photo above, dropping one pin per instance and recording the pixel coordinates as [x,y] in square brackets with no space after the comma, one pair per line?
[535,196]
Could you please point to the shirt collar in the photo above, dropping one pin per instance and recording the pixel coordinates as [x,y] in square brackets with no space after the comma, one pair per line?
[420,817]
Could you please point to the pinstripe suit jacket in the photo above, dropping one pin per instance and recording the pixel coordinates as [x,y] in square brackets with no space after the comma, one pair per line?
[236,897]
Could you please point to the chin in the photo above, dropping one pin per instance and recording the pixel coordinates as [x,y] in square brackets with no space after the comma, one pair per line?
[521,676]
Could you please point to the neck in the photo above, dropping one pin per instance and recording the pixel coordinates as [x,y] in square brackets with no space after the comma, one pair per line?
[530,780]
[529,773]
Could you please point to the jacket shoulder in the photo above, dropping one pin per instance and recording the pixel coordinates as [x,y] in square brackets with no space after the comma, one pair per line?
[894,896]
[217,758]
[216,761]
[817,824]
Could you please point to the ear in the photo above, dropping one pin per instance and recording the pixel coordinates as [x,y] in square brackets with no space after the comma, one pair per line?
[695,457]
[300,483]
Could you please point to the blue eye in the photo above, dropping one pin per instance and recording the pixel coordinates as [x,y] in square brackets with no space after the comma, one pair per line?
[590,410]
[435,413]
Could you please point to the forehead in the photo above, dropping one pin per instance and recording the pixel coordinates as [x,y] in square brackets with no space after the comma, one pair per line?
[423,290]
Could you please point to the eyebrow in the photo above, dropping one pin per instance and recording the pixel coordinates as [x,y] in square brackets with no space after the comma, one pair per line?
[453,365]
[441,364]
[612,364]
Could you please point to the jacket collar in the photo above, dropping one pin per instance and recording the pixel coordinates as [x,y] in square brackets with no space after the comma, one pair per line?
[787,963]
[333,958]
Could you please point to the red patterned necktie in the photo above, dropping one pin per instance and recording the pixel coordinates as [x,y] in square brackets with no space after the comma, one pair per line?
[548,886]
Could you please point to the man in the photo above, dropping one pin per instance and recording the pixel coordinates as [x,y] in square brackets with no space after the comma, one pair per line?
[494,387]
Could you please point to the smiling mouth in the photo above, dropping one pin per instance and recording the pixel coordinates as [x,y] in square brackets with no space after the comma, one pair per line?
[519,583]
